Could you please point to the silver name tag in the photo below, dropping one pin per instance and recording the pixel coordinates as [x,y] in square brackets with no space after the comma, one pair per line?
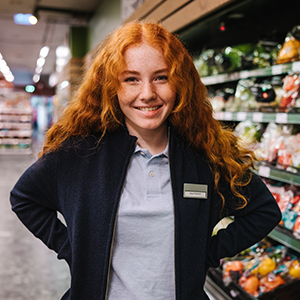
[197,191]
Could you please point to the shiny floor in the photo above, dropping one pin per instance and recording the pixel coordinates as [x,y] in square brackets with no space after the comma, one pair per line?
[28,270]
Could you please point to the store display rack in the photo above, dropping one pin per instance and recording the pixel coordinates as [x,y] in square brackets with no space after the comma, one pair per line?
[263,72]
[290,176]
[261,117]
[15,131]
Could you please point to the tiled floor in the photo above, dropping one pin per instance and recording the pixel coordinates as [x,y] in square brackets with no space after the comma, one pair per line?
[28,270]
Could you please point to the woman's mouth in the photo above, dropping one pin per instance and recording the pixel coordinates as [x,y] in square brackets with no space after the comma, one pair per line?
[148,108]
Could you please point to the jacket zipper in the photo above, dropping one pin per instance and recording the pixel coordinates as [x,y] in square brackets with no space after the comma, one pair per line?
[173,208]
[113,237]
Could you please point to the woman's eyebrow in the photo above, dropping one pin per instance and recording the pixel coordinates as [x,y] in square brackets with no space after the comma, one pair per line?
[131,72]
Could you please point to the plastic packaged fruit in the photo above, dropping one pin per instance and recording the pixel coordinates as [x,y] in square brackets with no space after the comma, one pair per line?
[269,283]
[233,270]
[294,269]
[250,285]
[266,266]
[290,50]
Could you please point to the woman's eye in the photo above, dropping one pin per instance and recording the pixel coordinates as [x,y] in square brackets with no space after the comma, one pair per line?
[130,79]
[162,78]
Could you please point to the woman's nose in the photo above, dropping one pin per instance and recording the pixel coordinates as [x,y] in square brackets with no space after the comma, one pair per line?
[147,91]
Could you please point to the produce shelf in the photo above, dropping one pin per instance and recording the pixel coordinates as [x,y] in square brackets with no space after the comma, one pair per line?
[261,117]
[277,174]
[270,71]
[285,237]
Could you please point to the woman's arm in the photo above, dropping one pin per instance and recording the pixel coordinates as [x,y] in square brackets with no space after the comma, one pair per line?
[251,224]
[34,200]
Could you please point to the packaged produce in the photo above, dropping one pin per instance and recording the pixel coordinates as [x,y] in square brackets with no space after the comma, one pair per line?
[294,269]
[206,64]
[220,97]
[248,131]
[265,54]
[269,283]
[261,269]
[244,98]
[278,140]
[250,285]
[291,88]
[290,50]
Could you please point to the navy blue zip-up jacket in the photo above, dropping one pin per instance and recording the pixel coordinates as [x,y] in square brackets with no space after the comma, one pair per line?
[83,181]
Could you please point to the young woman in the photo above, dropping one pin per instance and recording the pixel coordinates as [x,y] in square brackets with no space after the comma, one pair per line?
[142,172]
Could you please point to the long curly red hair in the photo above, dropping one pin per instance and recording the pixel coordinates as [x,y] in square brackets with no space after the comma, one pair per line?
[95,107]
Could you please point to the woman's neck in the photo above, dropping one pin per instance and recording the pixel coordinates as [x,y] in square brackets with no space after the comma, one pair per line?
[154,141]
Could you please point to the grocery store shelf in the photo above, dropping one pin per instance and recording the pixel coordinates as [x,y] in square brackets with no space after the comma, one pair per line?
[12,151]
[261,117]
[215,284]
[285,237]
[270,71]
[214,291]
[277,174]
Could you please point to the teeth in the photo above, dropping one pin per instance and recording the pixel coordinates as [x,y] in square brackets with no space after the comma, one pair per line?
[148,108]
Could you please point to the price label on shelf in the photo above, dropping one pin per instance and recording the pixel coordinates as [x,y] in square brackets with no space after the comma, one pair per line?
[277,69]
[281,118]
[296,67]
[264,171]
[257,116]
[241,116]
[228,115]
[219,115]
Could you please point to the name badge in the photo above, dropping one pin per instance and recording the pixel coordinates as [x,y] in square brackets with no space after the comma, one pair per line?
[197,191]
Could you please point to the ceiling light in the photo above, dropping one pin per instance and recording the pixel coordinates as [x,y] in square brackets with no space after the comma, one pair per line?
[38,70]
[44,52]
[40,62]
[32,19]
[25,19]
[10,77]
[62,51]
[5,70]
[36,78]
[63,85]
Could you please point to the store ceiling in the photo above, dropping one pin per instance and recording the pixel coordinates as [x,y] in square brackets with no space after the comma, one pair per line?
[20,44]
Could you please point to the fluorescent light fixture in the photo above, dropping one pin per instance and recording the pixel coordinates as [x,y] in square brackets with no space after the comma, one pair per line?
[25,19]
[44,52]
[5,70]
[32,19]
[62,51]
[63,85]
[40,62]
[10,77]
[38,70]
[36,78]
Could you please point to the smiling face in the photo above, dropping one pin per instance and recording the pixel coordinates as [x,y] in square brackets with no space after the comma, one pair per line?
[145,95]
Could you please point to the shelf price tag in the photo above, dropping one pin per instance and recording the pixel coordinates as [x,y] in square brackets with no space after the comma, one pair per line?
[264,171]
[281,118]
[228,115]
[257,116]
[277,69]
[296,67]
[219,115]
[241,116]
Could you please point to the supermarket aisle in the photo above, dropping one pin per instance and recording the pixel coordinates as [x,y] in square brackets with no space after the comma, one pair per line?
[28,270]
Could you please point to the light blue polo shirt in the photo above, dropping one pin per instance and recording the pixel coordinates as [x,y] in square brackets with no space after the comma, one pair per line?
[143,252]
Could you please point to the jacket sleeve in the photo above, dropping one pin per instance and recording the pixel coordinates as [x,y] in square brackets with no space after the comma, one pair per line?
[34,200]
[251,224]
